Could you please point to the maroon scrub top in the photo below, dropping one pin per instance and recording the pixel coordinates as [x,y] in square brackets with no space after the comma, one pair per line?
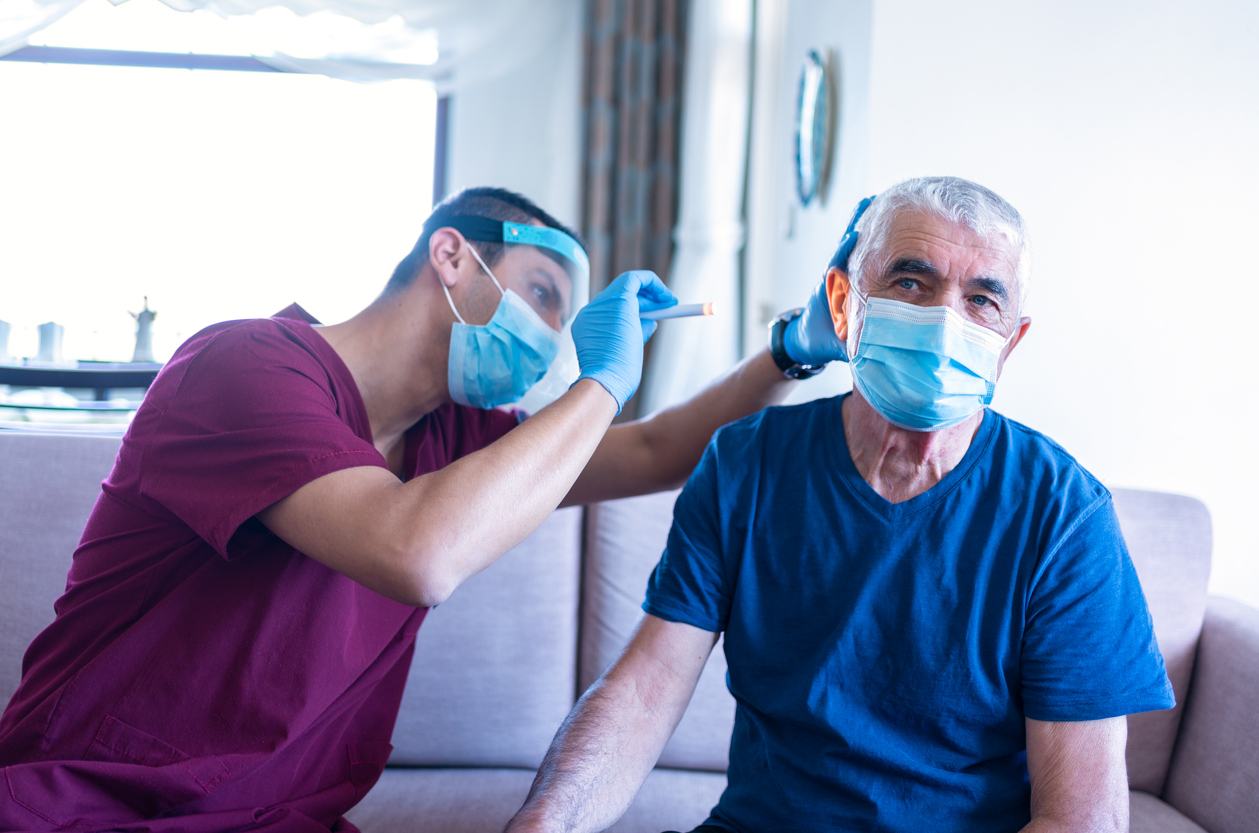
[202,675]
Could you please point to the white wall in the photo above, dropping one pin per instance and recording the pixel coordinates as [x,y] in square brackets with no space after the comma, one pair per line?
[523,131]
[1127,134]
[788,245]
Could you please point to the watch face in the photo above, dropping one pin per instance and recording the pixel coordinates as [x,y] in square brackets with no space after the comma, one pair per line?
[814,115]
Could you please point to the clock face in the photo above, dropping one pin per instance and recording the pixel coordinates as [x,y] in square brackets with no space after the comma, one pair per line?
[813,121]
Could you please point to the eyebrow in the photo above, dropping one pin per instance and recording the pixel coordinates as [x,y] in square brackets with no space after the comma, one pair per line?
[914,266]
[992,285]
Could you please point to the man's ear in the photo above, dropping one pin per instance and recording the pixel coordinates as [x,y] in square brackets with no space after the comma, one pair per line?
[1019,332]
[837,293]
[446,253]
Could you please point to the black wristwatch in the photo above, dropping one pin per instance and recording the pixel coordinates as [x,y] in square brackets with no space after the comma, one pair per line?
[791,368]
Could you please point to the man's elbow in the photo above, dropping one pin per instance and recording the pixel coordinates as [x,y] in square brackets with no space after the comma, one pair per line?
[431,591]
[419,578]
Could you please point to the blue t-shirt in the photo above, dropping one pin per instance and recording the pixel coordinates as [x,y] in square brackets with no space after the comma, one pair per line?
[883,656]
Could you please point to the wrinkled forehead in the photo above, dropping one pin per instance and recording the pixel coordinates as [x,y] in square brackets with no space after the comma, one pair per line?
[951,249]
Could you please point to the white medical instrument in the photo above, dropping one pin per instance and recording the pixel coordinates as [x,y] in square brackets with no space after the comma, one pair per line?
[678,311]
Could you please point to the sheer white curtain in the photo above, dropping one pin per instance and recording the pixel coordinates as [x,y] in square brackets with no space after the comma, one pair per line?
[687,354]
[448,42]
[19,19]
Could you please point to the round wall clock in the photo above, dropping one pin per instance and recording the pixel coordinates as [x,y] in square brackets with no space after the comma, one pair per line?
[814,118]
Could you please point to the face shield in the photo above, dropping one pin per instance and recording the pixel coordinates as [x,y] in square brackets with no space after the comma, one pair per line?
[560,250]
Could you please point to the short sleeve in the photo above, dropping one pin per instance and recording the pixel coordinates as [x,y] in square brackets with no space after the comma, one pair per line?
[254,418]
[1089,650]
[689,584]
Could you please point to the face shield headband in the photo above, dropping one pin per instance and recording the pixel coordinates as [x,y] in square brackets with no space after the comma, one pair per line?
[559,246]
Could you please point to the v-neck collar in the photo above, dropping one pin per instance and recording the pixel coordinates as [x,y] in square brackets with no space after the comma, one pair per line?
[841,457]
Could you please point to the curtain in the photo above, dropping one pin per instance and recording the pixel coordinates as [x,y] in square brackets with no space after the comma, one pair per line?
[19,19]
[358,40]
[632,109]
[687,354]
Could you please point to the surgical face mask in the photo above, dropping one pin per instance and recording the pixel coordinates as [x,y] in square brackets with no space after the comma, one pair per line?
[924,368]
[496,363]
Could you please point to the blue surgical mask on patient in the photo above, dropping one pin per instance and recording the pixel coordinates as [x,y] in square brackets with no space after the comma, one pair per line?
[496,363]
[924,368]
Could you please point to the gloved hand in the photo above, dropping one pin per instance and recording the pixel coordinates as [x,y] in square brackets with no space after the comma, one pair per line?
[810,337]
[609,335]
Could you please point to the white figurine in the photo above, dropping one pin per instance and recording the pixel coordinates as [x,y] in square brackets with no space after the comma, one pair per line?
[144,333]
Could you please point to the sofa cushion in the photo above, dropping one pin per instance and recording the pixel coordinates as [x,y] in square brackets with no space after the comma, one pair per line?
[1169,537]
[1151,815]
[48,484]
[672,799]
[494,672]
[483,800]
[624,540]
[1214,776]
[406,800]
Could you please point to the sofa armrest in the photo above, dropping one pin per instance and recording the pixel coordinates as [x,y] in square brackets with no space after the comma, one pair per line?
[1216,763]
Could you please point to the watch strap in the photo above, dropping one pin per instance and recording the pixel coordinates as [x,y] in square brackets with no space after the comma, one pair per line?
[778,348]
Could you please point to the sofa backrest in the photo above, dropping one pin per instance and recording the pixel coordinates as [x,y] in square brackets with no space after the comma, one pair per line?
[1169,538]
[495,667]
[624,540]
[48,484]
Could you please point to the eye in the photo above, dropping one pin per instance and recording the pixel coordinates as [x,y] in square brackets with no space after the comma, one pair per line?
[981,300]
[544,296]
[907,283]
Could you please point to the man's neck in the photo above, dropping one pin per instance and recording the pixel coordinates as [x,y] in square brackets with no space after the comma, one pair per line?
[901,464]
[398,363]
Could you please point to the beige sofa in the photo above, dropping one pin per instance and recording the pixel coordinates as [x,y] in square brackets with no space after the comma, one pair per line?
[498,666]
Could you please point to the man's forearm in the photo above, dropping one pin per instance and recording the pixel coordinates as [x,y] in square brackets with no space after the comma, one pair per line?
[415,542]
[611,740]
[660,451]
[685,429]
[595,766]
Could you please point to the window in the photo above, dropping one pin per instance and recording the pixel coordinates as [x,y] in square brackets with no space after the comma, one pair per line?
[217,195]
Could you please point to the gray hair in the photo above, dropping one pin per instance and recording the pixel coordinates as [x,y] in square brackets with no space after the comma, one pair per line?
[950,198]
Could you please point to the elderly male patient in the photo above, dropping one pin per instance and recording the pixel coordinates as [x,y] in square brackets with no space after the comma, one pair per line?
[930,616]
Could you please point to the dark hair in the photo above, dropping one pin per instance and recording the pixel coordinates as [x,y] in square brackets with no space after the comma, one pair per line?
[492,203]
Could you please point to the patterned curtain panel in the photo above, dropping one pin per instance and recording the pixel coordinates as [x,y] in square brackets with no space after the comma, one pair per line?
[632,101]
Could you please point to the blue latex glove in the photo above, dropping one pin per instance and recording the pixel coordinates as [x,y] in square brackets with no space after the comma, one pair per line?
[810,339]
[609,335]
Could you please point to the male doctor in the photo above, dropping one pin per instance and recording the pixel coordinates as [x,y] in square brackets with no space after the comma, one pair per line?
[239,618]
